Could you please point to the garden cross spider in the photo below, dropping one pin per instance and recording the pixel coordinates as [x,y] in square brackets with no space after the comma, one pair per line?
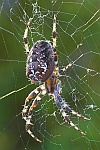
[42,67]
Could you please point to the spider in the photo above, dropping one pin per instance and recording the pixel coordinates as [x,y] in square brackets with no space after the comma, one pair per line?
[42,67]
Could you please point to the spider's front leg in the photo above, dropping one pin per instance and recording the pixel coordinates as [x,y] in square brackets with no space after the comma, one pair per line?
[62,106]
[27,114]
[28,99]
[28,119]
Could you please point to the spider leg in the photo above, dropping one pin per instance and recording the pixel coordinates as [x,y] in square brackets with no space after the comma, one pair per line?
[54,39]
[25,37]
[54,46]
[57,71]
[65,68]
[30,96]
[64,114]
[65,106]
[70,122]
[62,106]
[28,119]
[69,65]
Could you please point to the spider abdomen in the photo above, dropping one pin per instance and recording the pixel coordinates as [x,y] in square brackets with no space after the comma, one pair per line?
[40,62]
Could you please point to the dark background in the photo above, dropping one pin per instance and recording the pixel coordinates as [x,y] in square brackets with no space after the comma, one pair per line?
[81,90]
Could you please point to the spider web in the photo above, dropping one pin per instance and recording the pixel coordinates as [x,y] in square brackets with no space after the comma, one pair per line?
[78,35]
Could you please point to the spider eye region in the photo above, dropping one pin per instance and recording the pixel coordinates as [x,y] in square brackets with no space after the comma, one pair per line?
[40,62]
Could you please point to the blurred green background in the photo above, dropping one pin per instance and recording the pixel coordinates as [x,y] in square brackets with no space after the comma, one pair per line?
[81,89]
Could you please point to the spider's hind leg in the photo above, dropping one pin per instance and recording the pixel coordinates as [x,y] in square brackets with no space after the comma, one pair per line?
[54,38]
[65,68]
[25,37]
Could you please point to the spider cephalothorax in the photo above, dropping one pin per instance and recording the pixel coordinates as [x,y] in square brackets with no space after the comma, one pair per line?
[42,66]
[40,62]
